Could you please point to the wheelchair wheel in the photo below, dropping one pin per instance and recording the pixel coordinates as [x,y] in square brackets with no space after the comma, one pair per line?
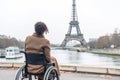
[51,74]
[21,74]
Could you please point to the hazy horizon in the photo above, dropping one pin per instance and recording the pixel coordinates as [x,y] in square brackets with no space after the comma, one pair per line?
[96,17]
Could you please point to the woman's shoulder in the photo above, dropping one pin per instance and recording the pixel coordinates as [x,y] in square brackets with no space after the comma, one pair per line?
[28,37]
[46,40]
[37,38]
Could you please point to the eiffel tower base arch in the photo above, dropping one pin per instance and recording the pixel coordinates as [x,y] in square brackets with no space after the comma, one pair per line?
[76,38]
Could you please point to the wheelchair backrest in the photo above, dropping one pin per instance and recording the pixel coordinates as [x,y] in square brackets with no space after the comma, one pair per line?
[35,59]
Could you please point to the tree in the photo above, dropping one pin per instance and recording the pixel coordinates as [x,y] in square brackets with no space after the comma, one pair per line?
[115,39]
[7,41]
[103,42]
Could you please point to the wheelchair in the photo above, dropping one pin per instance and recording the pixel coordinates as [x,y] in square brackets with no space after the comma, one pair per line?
[50,72]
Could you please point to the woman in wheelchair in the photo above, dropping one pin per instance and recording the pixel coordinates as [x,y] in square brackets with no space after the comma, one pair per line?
[37,44]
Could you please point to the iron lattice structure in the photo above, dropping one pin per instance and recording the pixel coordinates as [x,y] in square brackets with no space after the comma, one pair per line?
[74,24]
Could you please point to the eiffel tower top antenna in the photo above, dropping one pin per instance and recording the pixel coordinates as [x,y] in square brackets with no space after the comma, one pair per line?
[74,13]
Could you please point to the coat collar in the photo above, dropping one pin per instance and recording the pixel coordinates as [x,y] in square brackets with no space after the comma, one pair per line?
[35,34]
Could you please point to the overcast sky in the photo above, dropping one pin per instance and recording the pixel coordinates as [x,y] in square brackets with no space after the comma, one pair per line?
[96,17]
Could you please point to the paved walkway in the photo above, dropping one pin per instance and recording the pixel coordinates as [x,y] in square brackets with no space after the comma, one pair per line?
[9,74]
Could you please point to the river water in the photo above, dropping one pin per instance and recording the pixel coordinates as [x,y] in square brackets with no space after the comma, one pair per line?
[82,58]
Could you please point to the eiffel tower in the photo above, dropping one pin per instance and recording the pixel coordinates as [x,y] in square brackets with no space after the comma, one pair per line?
[74,24]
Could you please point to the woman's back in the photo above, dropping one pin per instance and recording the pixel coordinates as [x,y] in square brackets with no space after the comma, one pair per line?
[36,43]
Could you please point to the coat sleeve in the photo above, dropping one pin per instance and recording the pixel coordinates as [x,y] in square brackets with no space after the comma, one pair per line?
[26,41]
[47,51]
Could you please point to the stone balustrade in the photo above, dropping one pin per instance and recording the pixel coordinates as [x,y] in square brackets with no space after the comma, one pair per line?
[74,68]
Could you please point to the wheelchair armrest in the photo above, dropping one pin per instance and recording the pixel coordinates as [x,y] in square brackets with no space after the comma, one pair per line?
[50,64]
[22,51]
